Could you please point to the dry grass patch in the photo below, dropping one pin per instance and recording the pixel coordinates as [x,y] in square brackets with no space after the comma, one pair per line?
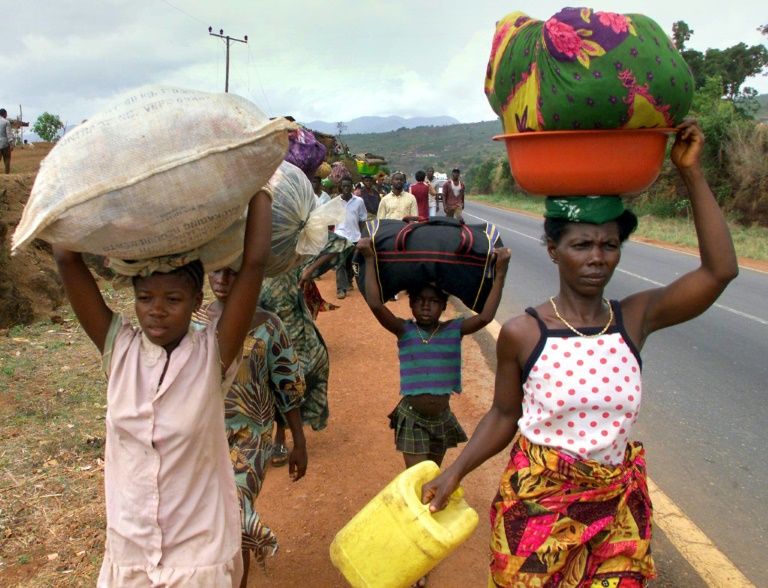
[52,407]
[27,160]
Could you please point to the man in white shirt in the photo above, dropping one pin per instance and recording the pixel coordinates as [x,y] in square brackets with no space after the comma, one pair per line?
[350,229]
[6,139]
[453,196]
[434,205]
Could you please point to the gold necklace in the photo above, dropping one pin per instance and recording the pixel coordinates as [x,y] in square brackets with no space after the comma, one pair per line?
[421,334]
[574,329]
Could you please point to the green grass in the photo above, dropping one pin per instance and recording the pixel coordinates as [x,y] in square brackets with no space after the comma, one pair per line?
[750,242]
[462,145]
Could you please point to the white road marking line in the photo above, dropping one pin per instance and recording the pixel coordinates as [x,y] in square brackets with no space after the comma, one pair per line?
[751,317]
[745,315]
[712,565]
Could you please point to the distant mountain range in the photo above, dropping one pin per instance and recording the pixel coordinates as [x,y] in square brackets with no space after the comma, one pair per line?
[380,124]
[762,114]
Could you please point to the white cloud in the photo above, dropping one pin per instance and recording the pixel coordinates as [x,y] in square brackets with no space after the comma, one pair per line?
[333,60]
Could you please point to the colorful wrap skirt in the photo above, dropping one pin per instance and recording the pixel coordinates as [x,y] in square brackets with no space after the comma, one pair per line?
[558,521]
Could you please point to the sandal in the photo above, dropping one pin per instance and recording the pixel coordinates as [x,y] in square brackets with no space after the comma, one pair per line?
[279,455]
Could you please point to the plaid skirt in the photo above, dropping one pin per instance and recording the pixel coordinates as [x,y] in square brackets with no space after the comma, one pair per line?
[424,435]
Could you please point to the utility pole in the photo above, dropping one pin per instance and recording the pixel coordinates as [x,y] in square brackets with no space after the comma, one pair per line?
[228,39]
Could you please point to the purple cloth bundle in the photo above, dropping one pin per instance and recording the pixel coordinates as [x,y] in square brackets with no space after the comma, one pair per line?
[305,151]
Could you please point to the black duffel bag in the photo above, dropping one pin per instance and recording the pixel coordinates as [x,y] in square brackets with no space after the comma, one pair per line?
[455,257]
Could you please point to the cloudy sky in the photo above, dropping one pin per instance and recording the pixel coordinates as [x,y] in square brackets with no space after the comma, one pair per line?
[331,60]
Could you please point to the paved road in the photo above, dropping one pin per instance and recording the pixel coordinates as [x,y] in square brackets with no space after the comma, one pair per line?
[705,409]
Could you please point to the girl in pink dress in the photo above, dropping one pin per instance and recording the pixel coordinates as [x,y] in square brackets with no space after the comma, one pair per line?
[173,517]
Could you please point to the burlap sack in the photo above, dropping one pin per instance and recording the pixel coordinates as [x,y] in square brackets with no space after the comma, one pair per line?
[163,171]
[299,226]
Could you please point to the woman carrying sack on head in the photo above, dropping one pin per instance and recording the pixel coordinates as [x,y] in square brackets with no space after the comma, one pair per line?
[573,507]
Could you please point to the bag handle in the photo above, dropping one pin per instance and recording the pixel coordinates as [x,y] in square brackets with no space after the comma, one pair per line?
[466,239]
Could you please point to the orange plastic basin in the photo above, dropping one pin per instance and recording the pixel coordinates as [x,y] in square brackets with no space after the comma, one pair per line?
[572,163]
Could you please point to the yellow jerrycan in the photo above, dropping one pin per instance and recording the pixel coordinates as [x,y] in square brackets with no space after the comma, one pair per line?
[394,540]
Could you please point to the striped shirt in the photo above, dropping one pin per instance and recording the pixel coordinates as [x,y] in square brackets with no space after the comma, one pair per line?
[433,367]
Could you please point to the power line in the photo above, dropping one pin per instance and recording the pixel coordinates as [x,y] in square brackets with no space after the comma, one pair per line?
[228,39]
[261,86]
[192,16]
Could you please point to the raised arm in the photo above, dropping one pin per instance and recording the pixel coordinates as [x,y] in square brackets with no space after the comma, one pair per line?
[385,316]
[694,292]
[478,321]
[236,317]
[84,295]
[499,425]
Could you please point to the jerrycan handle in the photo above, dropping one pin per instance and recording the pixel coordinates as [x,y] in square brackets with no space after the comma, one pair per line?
[426,471]
[435,532]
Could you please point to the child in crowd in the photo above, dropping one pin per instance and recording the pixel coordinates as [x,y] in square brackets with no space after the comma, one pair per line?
[173,517]
[269,379]
[430,361]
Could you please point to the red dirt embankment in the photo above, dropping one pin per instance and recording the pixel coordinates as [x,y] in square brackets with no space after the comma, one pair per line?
[29,285]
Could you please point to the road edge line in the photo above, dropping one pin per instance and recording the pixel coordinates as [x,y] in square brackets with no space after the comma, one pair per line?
[707,560]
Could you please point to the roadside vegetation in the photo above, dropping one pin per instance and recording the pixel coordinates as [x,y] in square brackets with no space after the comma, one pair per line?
[52,402]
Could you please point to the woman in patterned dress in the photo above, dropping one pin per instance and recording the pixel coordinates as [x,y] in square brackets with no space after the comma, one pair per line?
[285,296]
[269,380]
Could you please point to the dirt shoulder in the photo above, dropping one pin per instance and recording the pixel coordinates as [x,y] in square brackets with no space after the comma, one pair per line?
[355,457]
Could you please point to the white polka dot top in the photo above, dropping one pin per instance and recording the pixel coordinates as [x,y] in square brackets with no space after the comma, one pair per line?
[582,394]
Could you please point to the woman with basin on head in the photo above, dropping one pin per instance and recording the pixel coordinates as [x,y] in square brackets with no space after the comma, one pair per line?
[573,507]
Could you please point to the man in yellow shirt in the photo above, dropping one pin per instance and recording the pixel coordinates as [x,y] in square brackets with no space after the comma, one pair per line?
[398,205]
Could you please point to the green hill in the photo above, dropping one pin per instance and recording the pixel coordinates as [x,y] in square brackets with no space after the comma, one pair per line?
[446,147]
[762,114]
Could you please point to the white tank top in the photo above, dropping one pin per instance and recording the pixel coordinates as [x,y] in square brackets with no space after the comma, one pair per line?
[582,394]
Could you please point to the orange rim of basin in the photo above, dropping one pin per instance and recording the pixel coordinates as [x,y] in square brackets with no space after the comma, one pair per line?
[572,163]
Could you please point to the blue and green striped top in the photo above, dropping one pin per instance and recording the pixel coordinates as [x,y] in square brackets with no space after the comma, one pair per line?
[434,367]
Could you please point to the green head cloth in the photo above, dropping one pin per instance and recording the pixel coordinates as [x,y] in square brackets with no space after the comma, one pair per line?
[595,210]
